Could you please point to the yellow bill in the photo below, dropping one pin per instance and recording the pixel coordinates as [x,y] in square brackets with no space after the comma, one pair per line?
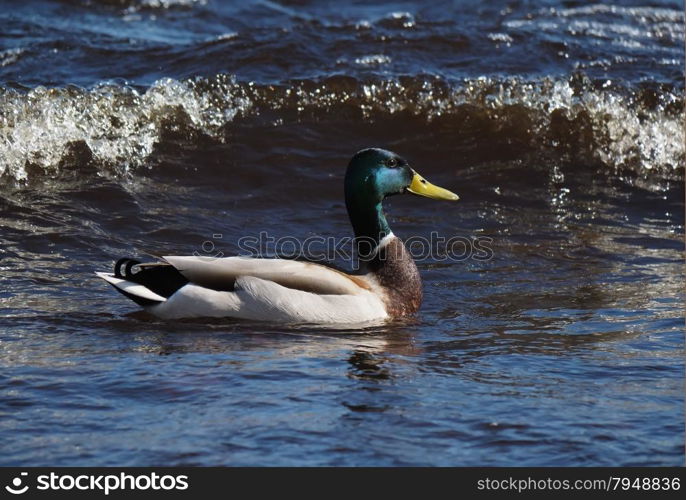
[422,187]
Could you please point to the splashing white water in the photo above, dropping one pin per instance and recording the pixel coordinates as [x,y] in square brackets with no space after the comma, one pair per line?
[120,125]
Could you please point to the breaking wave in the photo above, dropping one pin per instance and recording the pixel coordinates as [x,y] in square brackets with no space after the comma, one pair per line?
[119,126]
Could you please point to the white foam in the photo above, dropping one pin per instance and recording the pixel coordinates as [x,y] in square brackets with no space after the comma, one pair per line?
[118,124]
[373,60]
[10,56]
[121,125]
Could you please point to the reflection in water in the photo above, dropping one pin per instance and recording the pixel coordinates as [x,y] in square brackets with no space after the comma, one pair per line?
[367,366]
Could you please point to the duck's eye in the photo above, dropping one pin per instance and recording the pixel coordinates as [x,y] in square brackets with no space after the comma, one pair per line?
[392,163]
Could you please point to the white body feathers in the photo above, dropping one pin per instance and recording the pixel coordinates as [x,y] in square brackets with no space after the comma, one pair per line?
[263,289]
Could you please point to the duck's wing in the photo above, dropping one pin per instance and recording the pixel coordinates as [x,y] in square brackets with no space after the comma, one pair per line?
[240,287]
[265,300]
[221,274]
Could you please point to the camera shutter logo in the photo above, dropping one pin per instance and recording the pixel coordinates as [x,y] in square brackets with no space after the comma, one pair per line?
[15,488]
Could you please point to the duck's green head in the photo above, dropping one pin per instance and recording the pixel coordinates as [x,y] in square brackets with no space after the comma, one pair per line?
[372,175]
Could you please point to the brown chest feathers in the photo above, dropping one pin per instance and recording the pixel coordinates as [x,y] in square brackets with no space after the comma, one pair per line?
[396,272]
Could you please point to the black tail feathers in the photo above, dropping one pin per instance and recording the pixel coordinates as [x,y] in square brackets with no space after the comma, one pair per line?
[128,263]
[163,279]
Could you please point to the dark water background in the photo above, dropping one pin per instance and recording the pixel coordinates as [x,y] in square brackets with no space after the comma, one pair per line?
[133,126]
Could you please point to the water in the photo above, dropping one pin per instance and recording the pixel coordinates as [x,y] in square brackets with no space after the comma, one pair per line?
[158,126]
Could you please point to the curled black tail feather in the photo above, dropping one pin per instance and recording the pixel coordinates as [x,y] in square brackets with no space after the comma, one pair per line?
[129,263]
[162,279]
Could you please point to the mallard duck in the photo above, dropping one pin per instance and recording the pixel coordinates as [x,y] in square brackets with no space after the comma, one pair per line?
[285,290]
